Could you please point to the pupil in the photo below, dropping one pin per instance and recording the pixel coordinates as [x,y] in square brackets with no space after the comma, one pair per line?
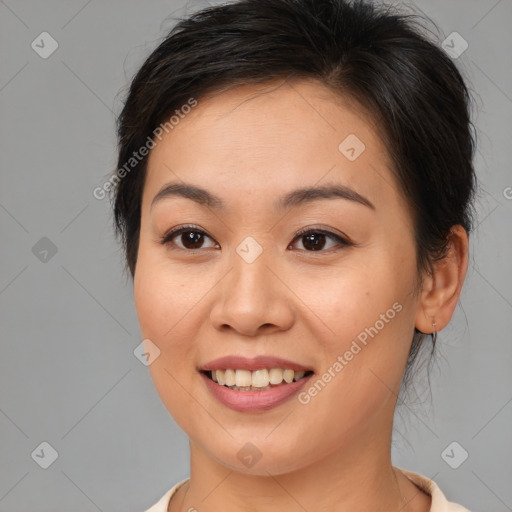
[316,241]
[192,239]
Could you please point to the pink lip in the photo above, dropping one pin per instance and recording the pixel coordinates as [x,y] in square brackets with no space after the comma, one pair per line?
[257,363]
[252,401]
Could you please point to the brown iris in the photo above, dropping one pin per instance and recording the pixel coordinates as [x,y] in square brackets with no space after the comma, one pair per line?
[314,241]
[195,239]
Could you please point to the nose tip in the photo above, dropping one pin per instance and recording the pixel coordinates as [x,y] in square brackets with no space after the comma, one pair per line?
[252,301]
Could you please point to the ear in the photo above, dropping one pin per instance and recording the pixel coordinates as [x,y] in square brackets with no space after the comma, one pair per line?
[441,290]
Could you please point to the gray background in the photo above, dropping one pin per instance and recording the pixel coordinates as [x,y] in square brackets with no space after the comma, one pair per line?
[68,327]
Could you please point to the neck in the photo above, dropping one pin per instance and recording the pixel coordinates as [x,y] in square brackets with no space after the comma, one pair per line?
[358,477]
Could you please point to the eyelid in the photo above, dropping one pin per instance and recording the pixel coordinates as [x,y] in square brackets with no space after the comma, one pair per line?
[184,227]
[166,238]
[341,238]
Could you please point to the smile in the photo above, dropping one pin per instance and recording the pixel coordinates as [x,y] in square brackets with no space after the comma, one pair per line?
[258,380]
[249,399]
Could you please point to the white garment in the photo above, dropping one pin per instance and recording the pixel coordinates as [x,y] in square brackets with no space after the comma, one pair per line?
[439,502]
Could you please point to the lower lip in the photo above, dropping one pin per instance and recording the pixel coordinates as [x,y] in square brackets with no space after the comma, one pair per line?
[249,401]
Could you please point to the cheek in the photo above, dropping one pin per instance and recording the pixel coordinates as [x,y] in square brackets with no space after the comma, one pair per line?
[365,317]
[167,317]
[349,299]
[163,295]
[165,312]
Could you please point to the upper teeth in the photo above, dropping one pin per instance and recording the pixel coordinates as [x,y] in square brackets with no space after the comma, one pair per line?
[257,378]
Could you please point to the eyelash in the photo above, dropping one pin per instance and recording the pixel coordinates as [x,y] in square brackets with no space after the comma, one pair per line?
[166,239]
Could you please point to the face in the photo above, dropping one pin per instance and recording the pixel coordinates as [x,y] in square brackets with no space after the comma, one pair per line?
[321,279]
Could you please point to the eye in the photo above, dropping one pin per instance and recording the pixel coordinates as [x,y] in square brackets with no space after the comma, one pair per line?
[188,238]
[313,239]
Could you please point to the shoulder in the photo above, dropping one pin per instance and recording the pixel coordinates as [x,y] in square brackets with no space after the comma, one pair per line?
[439,501]
[162,504]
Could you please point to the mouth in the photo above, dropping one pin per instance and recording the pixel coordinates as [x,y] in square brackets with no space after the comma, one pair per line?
[257,380]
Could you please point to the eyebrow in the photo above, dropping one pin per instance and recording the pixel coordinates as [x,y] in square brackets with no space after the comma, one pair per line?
[291,200]
[329,191]
[197,194]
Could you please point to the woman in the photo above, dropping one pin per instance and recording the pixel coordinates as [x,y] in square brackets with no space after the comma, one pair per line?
[294,195]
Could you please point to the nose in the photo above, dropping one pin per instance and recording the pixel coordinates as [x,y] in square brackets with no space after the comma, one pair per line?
[251,300]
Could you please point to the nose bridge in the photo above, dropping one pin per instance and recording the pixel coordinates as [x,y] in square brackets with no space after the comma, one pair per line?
[251,277]
[249,261]
[251,286]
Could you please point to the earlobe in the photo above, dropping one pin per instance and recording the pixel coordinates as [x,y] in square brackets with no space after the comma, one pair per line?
[441,290]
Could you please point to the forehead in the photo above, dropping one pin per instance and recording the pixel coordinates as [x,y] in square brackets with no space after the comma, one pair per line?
[263,140]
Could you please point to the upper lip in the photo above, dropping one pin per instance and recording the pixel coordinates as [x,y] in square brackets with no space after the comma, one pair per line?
[256,363]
